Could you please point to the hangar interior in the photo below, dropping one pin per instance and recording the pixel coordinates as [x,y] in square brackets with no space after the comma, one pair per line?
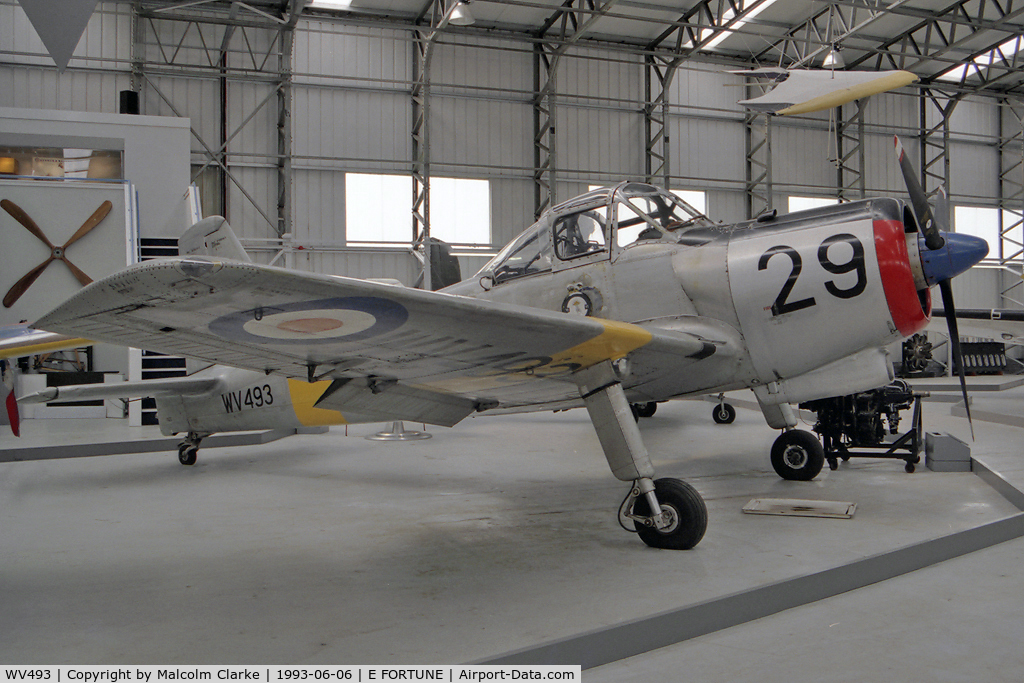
[335,139]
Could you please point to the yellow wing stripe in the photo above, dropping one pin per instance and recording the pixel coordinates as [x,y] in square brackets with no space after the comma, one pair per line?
[43,347]
[304,395]
[618,340]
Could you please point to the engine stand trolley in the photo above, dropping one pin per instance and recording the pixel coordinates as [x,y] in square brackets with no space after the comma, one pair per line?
[861,421]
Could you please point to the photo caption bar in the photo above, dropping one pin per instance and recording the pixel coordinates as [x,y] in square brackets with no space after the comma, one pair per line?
[287,674]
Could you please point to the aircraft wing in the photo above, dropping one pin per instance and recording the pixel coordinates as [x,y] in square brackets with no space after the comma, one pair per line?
[804,91]
[386,346]
[22,340]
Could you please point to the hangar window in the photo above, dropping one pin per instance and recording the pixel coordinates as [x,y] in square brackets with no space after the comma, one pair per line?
[378,209]
[983,222]
[804,203]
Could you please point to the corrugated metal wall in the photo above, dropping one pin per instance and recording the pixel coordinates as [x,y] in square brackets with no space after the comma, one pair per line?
[351,110]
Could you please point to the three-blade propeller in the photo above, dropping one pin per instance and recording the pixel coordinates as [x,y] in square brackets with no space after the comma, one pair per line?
[57,253]
[933,225]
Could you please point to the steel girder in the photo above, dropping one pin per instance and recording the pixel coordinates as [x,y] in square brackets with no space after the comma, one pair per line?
[571,21]
[1011,203]
[849,130]
[758,185]
[203,47]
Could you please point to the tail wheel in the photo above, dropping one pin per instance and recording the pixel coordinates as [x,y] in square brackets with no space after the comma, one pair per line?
[187,454]
[797,455]
[689,516]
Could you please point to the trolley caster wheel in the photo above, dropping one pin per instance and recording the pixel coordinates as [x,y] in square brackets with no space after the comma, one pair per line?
[833,464]
[724,414]
[909,468]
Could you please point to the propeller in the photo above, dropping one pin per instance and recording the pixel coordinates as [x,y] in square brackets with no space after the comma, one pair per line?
[950,255]
[57,253]
[919,200]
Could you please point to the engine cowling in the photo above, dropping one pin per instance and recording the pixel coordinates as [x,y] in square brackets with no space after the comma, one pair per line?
[812,289]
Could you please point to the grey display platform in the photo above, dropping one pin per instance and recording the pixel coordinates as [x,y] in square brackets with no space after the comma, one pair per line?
[495,537]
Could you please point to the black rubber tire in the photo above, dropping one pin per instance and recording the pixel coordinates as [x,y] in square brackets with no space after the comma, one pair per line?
[187,454]
[797,455]
[690,511]
[724,414]
[646,409]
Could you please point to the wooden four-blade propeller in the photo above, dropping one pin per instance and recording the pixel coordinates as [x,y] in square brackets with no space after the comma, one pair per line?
[57,253]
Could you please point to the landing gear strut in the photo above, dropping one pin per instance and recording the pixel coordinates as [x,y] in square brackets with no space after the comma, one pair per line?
[189,448]
[666,513]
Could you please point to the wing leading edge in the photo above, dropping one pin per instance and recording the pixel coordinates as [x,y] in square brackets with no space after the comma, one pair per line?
[384,346]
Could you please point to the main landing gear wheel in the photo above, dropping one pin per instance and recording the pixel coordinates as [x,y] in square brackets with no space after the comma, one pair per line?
[688,516]
[797,455]
[724,414]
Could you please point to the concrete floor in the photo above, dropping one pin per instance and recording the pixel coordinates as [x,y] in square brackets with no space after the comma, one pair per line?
[494,537]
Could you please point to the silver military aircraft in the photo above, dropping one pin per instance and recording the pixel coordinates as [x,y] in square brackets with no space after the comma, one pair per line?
[624,295]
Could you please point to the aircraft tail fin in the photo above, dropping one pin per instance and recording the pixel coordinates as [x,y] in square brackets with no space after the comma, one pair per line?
[212,237]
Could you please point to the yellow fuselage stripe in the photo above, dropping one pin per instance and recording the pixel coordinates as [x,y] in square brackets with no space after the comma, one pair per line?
[304,395]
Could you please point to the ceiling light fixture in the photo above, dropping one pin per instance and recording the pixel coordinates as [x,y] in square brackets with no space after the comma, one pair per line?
[460,15]
[834,59]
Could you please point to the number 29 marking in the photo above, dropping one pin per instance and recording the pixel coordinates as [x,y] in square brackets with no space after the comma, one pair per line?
[856,264]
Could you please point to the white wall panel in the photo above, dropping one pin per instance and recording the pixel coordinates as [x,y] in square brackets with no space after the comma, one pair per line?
[709,88]
[492,68]
[33,88]
[261,185]
[359,130]
[480,138]
[584,73]
[975,117]
[803,153]
[364,264]
[197,99]
[330,53]
[706,153]
[974,172]
[319,200]
[258,135]
[511,208]
[601,146]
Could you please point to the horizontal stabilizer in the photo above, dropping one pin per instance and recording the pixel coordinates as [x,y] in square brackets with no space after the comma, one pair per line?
[174,386]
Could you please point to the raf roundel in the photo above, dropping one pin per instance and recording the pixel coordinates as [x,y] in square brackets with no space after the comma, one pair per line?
[313,322]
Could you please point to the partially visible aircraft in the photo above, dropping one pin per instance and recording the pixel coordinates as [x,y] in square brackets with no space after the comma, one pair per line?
[622,295]
[802,91]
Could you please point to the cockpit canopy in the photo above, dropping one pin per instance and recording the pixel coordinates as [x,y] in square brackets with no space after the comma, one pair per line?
[601,221]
